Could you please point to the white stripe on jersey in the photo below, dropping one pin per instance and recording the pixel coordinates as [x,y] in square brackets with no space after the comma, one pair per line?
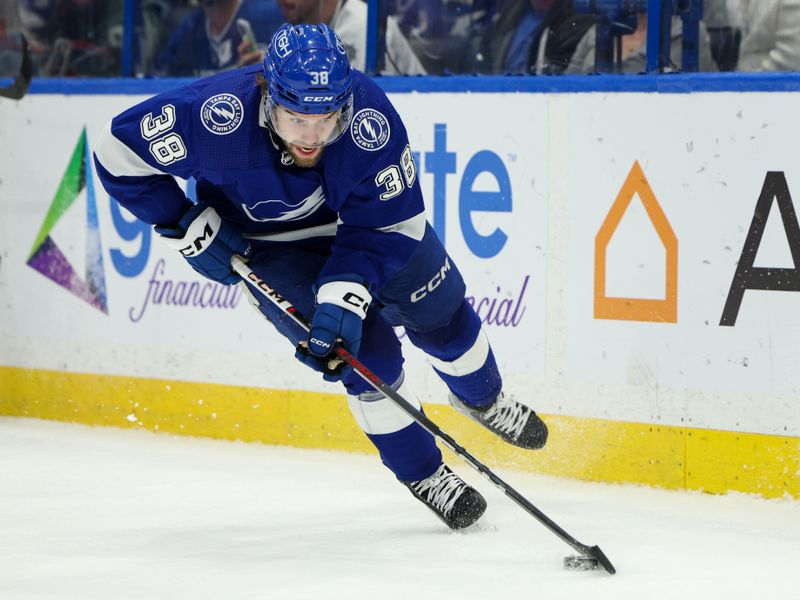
[329,229]
[413,227]
[118,159]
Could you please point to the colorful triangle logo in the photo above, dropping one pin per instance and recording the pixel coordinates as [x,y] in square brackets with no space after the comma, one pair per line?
[46,257]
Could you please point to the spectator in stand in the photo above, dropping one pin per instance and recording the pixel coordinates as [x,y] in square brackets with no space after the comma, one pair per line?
[634,49]
[10,42]
[36,18]
[535,37]
[715,13]
[439,30]
[770,34]
[158,23]
[75,37]
[725,39]
[219,35]
[348,18]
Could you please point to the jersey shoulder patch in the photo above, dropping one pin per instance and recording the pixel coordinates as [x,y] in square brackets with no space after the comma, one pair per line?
[225,122]
[375,120]
[370,129]
[224,100]
[221,114]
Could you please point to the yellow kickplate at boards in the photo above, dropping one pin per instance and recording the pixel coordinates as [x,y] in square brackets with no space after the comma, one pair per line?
[581,448]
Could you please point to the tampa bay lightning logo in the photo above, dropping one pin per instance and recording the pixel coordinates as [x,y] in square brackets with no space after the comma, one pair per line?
[222,114]
[370,129]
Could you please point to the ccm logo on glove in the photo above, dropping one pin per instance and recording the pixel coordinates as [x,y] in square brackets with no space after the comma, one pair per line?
[341,306]
[206,242]
[201,234]
[317,342]
[345,294]
[356,301]
[195,232]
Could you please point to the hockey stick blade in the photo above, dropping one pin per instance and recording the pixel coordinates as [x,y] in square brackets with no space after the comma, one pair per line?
[596,553]
[246,273]
[19,88]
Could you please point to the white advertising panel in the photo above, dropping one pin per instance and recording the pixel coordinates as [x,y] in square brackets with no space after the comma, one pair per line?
[633,256]
[87,288]
[683,309]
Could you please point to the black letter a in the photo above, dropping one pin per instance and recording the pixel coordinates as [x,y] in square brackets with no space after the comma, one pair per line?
[758,278]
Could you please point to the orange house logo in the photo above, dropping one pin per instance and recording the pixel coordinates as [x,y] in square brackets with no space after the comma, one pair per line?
[659,310]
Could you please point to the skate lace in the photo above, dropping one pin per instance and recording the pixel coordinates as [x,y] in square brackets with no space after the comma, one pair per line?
[507,416]
[443,489]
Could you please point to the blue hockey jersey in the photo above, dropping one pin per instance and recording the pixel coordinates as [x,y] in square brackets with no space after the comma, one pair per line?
[362,195]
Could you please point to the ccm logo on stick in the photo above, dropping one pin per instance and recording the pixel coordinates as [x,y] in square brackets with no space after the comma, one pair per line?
[434,282]
[260,283]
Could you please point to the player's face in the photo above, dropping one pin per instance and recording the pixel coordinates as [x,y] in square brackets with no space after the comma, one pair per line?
[305,135]
[308,131]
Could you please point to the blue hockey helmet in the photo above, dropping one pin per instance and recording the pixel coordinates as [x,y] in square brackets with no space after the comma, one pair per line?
[308,73]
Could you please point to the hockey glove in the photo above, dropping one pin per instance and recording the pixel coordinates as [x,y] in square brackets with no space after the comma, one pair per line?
[206,242]
[342,306]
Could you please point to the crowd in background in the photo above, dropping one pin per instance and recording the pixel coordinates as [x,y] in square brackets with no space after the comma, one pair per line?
[536,37]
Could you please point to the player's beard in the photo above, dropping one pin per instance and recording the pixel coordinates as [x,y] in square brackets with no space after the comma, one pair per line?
[304,161]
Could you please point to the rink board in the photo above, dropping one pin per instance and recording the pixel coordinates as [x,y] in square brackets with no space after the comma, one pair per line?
[600,236]
[581,448]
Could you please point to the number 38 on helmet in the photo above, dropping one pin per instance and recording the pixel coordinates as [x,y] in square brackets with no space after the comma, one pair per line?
[309,99]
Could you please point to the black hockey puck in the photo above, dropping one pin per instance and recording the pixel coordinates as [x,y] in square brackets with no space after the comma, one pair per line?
[580,563]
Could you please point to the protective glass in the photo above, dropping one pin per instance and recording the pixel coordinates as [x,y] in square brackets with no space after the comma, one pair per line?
[307,131]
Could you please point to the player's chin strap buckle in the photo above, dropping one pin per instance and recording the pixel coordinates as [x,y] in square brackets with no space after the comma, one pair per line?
[333,365]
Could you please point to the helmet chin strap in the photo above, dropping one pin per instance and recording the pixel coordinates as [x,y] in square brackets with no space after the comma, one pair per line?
[276,143]
[262,113]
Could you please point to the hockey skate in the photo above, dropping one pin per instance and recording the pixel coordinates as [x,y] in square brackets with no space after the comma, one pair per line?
[514,422]
[454,501]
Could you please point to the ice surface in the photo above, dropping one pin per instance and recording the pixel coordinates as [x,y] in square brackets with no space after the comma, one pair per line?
[115,514]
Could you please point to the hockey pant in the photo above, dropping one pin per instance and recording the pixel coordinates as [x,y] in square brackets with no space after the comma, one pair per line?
[427,299]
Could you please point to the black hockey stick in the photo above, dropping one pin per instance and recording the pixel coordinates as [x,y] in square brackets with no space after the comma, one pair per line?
[19,88]
[591,554]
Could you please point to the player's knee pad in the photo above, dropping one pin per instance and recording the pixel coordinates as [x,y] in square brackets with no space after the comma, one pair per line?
[377,415]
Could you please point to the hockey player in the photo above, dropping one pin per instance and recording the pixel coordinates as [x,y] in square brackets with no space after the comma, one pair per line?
[303,166]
